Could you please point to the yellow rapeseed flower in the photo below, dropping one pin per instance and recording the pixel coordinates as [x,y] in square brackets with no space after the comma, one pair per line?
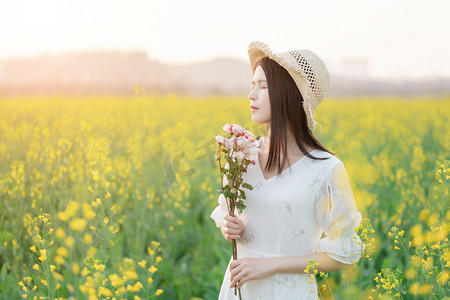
[116,280]
[69,241]
[414,288]
[158,292]
[87,239]
[59,260]
[443,277]
[97,202]
[142,263]
[152,269]
[428,263]
[92,251]
[410,273]
[416,230]
[60,233]
[155,244]
[27,279]
[130,274]
[425,289]
[62,251]
[137,287]
[87,211]
[105,291]
[416,261]
[75,268]
[78,224]
[43,256]
[63,216]
[58,276]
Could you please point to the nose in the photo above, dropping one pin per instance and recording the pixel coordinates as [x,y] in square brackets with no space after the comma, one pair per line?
[251,96]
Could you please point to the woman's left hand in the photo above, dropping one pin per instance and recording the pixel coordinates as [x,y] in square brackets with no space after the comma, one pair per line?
[247,268]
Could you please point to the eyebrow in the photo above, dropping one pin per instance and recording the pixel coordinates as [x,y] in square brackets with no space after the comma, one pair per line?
[259,81]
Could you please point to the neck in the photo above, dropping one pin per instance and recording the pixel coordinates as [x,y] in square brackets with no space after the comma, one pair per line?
[292,147]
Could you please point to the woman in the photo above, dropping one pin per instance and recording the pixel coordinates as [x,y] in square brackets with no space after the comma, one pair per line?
[287,212]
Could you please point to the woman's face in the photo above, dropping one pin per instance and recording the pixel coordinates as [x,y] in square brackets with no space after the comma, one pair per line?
[259,97]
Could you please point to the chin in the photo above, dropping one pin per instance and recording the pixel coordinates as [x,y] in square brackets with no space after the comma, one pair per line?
[258,121]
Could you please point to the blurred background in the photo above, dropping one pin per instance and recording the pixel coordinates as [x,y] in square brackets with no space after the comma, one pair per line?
[200,47]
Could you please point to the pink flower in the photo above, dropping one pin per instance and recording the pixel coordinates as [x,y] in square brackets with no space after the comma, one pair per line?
[220,140]
[234,128]
[250,136]
[229,143]
[228,128]
[242,142]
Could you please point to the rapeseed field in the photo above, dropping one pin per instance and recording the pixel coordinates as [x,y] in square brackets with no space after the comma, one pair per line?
[109,197]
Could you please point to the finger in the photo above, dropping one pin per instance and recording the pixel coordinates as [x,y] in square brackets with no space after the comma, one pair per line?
[242,281]
[237,277]
[228,218]
[232,219]
[234,264]
[231,223]
[236,267]
[232,237]
[231,231]
[233,281]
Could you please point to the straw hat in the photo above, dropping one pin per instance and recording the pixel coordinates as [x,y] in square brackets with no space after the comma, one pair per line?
[306,68]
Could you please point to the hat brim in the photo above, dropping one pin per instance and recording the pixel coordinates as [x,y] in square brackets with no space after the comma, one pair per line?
[256,52]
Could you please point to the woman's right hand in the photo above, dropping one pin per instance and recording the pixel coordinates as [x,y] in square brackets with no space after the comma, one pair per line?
[232,227]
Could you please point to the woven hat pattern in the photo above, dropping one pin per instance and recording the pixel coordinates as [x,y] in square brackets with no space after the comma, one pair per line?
[308,70]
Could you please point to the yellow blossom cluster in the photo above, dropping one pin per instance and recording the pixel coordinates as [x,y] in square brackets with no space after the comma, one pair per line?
[126,280]
[366,232]
[388,282]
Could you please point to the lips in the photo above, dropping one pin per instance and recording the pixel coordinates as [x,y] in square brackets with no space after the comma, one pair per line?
[253,107]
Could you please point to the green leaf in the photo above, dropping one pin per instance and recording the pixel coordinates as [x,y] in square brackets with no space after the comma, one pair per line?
[241,205]
[247,186]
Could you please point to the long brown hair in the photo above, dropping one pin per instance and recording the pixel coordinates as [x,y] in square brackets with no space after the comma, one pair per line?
[286,109]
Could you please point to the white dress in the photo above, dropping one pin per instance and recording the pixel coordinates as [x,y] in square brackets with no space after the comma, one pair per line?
[286,215]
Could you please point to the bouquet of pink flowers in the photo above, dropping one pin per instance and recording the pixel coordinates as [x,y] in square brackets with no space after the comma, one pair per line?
[240,149]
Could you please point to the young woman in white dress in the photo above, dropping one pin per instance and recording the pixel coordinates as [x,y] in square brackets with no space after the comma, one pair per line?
[300,189]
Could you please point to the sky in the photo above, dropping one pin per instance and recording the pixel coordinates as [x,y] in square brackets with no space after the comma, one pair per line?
[397,39]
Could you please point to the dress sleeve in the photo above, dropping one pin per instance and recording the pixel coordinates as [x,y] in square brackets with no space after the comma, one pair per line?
[337,214]
[221,210]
